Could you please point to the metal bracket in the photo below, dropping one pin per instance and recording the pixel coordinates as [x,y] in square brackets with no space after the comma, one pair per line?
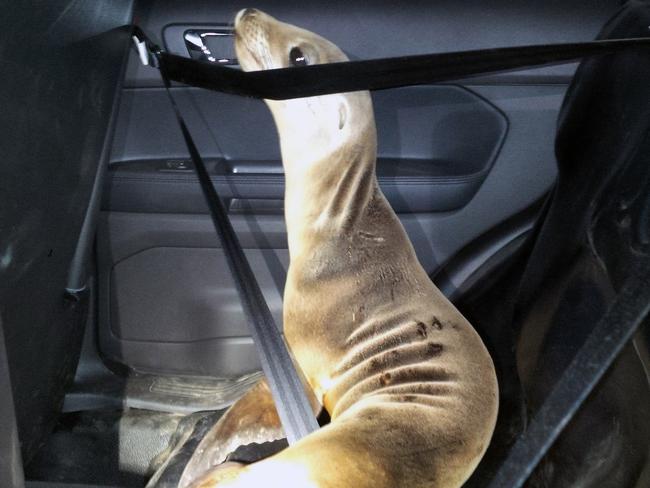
[147,51]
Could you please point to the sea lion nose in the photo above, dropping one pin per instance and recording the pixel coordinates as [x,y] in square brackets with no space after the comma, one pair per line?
[244,13]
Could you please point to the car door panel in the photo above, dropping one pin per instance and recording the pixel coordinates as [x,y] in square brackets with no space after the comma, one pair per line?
[436,146]
[456,161]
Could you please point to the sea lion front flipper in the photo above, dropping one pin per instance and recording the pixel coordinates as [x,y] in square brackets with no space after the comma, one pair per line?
[227,471]
[251,419]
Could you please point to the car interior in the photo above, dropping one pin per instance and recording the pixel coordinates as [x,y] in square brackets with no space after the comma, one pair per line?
[525,193]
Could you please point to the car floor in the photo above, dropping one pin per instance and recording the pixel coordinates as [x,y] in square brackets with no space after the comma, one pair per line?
[106,447]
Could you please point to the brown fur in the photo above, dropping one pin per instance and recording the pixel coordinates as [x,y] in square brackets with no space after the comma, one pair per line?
[409,385]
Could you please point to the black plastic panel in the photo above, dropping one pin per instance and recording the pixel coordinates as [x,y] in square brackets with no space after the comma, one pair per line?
[188,312]
[62,65]
[140,284]
[436,146]
[165,292]
[149,186]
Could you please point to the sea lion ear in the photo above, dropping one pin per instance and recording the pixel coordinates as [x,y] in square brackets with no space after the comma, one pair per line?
[343,114]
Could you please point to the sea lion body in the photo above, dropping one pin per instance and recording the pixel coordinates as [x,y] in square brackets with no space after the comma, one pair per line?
[410,388]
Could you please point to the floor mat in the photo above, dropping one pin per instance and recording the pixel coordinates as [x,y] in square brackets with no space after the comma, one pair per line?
[118,448]
[173,394]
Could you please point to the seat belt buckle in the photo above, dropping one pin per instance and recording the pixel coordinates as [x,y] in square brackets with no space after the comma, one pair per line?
[147,50]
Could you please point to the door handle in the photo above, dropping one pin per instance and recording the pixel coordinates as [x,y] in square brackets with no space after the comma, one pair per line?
[211,45]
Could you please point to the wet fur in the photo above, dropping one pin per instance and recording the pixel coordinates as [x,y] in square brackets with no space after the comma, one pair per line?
[409,385]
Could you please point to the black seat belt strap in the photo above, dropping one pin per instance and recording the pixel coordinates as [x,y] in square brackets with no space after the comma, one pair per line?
[291,402]
[381,74]
[593,359]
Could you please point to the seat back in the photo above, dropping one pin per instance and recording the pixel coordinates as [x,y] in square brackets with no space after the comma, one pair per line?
[595,228]
[596,231]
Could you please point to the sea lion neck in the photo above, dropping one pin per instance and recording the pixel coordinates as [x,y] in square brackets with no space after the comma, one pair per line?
[326,197]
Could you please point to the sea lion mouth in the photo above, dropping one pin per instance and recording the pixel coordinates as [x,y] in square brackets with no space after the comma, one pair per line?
[251,40]
[310,127]
[243,13]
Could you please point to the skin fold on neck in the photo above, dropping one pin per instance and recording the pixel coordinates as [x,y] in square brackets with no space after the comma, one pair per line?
[330,173]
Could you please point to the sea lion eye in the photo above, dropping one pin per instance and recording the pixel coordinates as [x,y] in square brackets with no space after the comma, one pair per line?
[297,58]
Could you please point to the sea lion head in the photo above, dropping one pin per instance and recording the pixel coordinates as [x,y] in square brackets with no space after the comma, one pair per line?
[312,128]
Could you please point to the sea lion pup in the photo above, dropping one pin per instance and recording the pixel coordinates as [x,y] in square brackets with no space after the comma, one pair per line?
[410,388]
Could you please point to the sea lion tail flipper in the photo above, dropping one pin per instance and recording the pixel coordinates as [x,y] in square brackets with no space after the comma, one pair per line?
[378,446]
[253,419]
